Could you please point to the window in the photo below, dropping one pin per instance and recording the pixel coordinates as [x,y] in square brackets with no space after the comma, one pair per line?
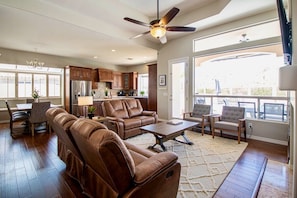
[254,33]
[40,83]
[7,85]
[24,85]
[143,84]
[18,81]
[54,85]
[249,74]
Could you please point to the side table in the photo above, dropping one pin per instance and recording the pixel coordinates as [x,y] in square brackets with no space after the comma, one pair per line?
[100,119]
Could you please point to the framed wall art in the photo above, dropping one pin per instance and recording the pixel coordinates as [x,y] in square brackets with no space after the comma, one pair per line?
[162,80]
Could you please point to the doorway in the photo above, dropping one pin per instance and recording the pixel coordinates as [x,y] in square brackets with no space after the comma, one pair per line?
[178,87]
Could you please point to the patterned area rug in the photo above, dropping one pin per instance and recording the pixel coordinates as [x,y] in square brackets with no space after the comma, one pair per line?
[204,164]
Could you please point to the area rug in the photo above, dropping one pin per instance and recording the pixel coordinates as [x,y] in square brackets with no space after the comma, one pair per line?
[205,164]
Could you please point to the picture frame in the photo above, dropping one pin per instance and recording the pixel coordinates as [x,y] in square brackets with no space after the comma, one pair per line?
[162,80]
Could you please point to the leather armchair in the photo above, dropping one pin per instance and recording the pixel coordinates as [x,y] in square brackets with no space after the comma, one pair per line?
[114,168]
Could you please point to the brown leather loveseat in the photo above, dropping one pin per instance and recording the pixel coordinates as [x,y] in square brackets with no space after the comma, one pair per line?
[125,117]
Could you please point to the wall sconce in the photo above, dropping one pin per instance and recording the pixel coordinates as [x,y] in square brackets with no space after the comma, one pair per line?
[85,101]
[288,78]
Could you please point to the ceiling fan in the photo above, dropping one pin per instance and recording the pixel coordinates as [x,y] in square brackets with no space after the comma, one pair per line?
[158,27]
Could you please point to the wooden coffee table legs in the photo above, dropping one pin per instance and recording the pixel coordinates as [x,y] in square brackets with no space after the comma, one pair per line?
[161,139]
[187,141]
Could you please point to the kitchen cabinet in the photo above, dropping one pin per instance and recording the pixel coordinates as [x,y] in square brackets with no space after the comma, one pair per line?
[105,75]
[78,73]
[95,79]
[97,105]
[143,102]
[117,80]
[130,80]
[152,95]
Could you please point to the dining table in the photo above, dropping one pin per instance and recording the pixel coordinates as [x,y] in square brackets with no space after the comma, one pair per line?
[28,106]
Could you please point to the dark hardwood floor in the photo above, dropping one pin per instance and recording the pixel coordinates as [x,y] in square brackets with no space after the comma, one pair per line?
[30,167]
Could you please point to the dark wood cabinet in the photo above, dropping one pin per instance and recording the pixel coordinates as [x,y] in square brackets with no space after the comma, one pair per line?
[130,80]
[105,75]
[95,79]
[152,95]
[117,80]
[98,111]
[79,73]
[143,102]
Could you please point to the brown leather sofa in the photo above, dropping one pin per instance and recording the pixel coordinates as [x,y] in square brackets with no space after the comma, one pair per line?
[125,117]
[61,121]
[107,166]
[114,168]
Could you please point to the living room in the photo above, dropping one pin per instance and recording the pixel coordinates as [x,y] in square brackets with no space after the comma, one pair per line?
[166,53]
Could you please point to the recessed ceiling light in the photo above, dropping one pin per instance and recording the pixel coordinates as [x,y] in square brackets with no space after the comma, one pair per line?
[113,50]
[95,57]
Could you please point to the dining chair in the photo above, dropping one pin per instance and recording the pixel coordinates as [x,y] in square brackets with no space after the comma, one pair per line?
[38,115]
[16,116]
[29,100]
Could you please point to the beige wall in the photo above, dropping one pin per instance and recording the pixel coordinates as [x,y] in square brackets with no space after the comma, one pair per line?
[181,48]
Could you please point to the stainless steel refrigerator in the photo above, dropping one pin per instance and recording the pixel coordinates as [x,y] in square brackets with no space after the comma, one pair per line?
[78,88]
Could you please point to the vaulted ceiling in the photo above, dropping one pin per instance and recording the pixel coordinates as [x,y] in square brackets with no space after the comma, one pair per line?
[95,28]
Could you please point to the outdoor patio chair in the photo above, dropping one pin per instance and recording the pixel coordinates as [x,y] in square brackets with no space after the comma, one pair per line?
[231,120]
[200,114]
[274,111]
[250,109]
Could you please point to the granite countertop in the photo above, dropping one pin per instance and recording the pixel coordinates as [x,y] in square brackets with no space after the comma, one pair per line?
[118,97]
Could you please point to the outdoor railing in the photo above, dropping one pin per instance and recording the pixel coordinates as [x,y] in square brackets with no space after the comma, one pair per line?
[256,107]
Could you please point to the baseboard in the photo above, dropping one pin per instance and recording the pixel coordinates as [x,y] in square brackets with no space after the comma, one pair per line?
[264,139]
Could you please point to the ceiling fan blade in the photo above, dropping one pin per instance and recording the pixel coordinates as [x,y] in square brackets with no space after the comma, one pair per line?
[169,16]
[163,39]
[139,35]
[180,29]
[136,22]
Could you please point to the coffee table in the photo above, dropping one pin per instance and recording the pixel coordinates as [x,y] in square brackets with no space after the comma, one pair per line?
[164,132]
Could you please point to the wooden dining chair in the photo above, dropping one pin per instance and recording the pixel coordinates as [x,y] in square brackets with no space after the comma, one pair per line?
[29,100]
[17,116]
[38,115]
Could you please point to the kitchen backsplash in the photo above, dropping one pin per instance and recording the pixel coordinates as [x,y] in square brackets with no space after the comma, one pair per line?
[100,92]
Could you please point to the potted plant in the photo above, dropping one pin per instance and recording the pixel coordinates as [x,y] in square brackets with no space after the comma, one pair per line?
[35,95]
[141,93]
[91,110]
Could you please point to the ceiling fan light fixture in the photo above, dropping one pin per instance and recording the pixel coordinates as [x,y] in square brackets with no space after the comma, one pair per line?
[158,32]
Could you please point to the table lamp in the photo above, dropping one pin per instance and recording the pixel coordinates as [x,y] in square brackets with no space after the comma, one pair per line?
[85,101]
